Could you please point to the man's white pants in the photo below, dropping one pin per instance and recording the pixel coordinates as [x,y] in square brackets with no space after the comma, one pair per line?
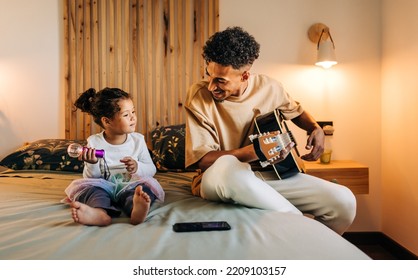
[233,181]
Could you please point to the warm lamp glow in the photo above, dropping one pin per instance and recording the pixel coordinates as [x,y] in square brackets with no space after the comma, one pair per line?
[319,34]
[326,55]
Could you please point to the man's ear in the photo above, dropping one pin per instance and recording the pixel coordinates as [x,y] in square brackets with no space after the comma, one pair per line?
[245,76]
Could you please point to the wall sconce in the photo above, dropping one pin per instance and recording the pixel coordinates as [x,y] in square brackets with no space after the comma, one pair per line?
[319,34]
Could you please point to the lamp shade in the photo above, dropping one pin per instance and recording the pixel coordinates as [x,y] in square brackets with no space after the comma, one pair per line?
[326,54]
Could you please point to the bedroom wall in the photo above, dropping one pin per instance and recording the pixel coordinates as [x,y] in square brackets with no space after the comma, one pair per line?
[30,92]
[399,117]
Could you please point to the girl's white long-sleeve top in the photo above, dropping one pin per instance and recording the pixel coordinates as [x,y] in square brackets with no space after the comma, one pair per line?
[134,146]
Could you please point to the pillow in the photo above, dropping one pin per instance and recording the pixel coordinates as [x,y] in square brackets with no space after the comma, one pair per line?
[45,154]
[168,147]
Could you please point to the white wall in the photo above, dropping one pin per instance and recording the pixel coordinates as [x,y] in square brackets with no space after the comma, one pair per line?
[399,122]
[31,103]
[348,94]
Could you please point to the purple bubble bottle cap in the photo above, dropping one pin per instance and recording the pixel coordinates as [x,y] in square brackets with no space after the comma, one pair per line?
[74,150]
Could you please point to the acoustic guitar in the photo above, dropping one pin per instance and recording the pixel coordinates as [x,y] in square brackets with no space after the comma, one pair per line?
[271,136]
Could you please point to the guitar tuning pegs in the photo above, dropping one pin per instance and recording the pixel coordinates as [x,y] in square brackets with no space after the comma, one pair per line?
[264,163]
[254,136]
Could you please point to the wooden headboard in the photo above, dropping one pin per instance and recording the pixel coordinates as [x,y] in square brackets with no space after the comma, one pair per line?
[149,48]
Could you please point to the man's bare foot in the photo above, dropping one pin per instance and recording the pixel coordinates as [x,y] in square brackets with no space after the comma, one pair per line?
[142,203]
[86,215]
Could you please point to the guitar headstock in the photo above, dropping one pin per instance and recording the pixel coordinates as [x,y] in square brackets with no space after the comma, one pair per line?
[271,146]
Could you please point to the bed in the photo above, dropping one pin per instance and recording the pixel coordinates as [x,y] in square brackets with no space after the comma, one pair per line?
[35,225]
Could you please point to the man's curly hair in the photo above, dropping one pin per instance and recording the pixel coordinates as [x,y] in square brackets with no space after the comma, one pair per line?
[233,46]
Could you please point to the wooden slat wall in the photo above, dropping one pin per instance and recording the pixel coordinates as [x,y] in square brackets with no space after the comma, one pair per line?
[149,48]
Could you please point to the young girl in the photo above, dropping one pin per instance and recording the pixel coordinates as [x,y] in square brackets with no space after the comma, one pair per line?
[123,178]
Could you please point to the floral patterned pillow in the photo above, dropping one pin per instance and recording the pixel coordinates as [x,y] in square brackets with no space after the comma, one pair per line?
[45,154]
[168,147]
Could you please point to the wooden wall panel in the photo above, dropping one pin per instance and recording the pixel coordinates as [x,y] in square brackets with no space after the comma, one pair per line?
[149,48]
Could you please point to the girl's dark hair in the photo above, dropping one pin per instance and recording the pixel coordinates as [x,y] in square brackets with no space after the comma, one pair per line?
[100,104]
[231,47]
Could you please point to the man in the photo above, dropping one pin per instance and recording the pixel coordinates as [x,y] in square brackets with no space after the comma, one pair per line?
[220,117]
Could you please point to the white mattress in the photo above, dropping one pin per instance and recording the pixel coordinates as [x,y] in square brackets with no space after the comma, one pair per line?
[35,225]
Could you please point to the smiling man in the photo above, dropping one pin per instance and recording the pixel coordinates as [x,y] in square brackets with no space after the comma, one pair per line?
[220,113]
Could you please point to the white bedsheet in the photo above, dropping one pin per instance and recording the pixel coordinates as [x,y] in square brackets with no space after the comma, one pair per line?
[35,225]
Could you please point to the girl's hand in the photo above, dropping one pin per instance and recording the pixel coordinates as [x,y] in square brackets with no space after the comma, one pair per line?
[89,155]
[130,164]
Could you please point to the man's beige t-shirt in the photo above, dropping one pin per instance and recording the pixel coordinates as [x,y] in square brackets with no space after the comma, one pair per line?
[215,126]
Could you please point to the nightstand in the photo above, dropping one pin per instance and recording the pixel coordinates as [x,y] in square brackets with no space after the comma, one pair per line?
[349,173]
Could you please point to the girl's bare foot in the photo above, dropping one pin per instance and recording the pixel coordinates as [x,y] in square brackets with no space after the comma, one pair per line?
[141,206]
[86,215]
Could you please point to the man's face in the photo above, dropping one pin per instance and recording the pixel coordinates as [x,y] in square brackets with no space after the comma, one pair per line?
[225,81]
